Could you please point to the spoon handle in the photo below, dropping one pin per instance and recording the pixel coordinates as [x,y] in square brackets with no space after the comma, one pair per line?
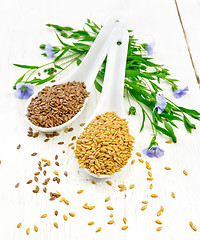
[113,86]
[98,51]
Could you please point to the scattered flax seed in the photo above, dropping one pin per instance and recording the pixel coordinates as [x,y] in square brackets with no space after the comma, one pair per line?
[39,74]
[49,163]
[71,144]
[29,181]
[56,157]
[138,154]
[65,217]
[132,186]
[150,179]
[46,140]
[159,229]
[43,216]
[145,202]
[70,129]
[107,199]
[66,202]
[36,134]
[185,172]
[44,189]
[17,185]
[56,213]
[151,186]
[55,224]
[27,231]
[73,138]
[124,220]
[121,186]
[140,160]
[44,172]
[111,222]
[154,195]
[109,183]
[44,160]
[161,208]
[91,207]
[80,191]
[19,146]
[158,222]
[37,173]
[168,141]
[65,173]
[173,195]
[57,163]
[90,223]
[82,124]
[98,229]
[36,179]
[150,174]
[63,151]
[167,168]
[60,143]
[72,147]
[124,227]
[122,189]
[19,225]
[56,173]
[34,154]
[159,213]
[132,162]
[144,207]
[72,214]
[192,226]
[62,199]
[35,228]
[111,215]
[110,208]
[66,130]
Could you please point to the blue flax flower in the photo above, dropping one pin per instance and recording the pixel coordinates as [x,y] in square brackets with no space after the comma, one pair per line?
[161,103]
[49,50]
[180,92]
[154,151]
[149,48]
[24,90]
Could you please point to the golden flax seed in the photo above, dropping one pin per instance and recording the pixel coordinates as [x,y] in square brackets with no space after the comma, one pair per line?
[110,222]
[35,228]
[159,213]
[98,229]
[145,202]
[162,208]
[72,214]
[19,225]
[168,141]
[173,195]
[185,172]
[138,154]
[80,191]
[154,195]
[107,199]
[90,223]
[43,216]
[150,179]
[158,222]
[140,160]
[144,207]
[167,168]
[132,186]
[27,231]
[111,215]
[93,182]
[150,174]
[110,208]
[192,226]
[124,227]
[109,183]
[151,186]
[124,220]
[65,217]
[132,162]
[55,224]
[159,229]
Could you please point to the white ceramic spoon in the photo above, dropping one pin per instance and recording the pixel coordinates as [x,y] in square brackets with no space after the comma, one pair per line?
[113,87]
[87,70]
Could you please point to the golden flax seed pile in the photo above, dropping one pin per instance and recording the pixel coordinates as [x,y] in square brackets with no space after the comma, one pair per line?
[105,145]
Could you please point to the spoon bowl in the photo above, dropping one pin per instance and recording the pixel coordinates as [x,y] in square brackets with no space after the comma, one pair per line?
[87,70]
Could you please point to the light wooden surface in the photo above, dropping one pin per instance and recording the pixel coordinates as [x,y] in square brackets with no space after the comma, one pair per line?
[22,31]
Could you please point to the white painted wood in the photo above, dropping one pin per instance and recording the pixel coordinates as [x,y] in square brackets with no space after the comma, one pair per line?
[190,15]
[22,31]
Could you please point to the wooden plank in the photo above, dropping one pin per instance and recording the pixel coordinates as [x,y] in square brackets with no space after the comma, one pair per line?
[190,20]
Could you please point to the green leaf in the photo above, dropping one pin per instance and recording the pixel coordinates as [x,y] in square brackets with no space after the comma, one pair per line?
[58,67]
[165,132]
[26,66]
[60,55]
[170,130]
[59,28]
[19,80]
[78,61]
[64,44]
[143,120]
[170,117]
[190,111]
[97,86]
